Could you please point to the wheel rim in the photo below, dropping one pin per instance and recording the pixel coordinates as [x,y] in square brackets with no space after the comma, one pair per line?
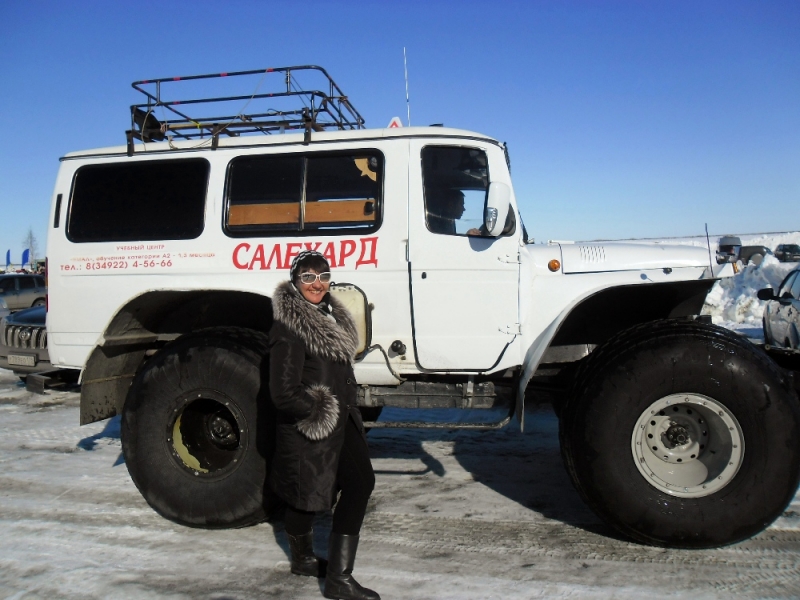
[688,445]
[206,436]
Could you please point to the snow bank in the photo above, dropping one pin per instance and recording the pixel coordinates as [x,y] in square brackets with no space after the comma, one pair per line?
[732,302]
[771,240]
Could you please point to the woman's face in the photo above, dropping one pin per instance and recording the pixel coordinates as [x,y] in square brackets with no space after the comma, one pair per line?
[313,292]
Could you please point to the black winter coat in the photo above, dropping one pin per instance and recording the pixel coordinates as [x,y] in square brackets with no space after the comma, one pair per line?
[314,390]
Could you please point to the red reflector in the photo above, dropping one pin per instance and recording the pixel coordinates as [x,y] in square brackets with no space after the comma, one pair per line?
[223,74]
[176,79]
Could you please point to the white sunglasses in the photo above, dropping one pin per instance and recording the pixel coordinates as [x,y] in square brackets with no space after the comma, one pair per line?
[308,278]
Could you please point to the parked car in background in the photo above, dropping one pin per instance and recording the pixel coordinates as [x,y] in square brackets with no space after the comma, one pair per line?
[728,249]
[753,254]
[23,341]
[20,290]
[782,313]
[4,312]
[788,252]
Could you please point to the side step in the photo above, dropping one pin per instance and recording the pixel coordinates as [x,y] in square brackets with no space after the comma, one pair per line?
[468,394]
[38,383]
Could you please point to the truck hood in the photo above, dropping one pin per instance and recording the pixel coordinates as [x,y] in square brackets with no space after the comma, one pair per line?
[597,257]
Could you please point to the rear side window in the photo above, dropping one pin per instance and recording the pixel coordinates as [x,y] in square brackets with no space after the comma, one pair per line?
[26,283]
[138,201]
[8,284]
[304,194]
[786,286]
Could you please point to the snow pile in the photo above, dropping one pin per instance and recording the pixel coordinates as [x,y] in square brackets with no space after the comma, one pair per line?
[770,240]
[732,302]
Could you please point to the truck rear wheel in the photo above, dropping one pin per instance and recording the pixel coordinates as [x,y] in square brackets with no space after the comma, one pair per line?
[683,435]
[197,429]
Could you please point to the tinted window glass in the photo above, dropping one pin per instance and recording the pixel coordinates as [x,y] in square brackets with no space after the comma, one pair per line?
[264,192]
[456,182]
[456,185]
[786,286]
[8,284]
[138,201]
[342,191]
[26,283]
[303,194]
[39,282]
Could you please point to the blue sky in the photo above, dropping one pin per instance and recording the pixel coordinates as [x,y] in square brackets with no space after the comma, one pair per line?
[623,118]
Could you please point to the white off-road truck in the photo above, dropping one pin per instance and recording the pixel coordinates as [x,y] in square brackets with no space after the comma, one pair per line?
[163,255]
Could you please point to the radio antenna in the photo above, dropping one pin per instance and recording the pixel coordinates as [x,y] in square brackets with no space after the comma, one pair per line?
[708,245]
[405,68]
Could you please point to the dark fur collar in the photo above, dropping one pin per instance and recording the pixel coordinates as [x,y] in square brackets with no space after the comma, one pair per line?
[322,337]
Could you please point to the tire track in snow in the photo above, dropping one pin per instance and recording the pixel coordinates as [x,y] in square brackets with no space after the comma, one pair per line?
[770,550]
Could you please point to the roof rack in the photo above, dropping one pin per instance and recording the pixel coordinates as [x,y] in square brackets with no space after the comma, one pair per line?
[268,112]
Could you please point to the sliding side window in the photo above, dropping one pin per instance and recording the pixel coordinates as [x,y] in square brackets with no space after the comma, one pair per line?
[299,194]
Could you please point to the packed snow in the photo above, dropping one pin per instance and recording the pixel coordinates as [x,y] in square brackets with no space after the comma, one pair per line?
[732,302]
[455,514]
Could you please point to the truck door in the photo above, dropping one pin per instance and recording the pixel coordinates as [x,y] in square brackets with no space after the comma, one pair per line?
[464,285]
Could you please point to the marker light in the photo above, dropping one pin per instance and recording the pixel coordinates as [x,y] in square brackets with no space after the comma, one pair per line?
[490,218]
[554,265]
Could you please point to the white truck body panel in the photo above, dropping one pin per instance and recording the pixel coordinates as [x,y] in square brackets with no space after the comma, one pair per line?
[485,304]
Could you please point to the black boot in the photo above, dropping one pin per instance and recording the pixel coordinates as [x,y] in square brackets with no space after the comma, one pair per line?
[304,562]
[339,582]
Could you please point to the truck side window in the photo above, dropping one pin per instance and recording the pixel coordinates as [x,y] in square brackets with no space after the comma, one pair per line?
[456,181]
[138,201]
[334,192]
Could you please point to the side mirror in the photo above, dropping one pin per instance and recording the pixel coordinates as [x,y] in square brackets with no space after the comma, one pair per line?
[766,294]
[497,204]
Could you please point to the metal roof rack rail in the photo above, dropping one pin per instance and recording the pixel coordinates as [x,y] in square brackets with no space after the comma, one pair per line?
[160,119]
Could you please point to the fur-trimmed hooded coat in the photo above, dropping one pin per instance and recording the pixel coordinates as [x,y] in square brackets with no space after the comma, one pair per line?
[314,390]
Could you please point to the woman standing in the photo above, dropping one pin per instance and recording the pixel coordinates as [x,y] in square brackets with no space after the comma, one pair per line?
[320,443]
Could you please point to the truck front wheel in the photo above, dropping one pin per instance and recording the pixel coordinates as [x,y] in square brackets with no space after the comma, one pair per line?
[682,434]
[197,429]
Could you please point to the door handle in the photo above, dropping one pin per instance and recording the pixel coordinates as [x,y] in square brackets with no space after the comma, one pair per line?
[509,258]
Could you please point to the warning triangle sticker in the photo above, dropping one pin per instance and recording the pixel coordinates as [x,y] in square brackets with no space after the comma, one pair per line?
[395,122]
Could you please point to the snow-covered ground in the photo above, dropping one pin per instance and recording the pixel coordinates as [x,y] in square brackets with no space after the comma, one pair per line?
[455,514]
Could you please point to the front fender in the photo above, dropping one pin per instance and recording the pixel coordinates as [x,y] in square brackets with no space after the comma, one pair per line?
[598,314]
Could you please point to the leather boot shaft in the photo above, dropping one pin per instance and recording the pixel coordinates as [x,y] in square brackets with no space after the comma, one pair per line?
[339,581]
[304,561]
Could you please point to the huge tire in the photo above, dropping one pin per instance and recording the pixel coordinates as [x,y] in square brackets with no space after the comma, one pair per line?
[683,435]
[198,429]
